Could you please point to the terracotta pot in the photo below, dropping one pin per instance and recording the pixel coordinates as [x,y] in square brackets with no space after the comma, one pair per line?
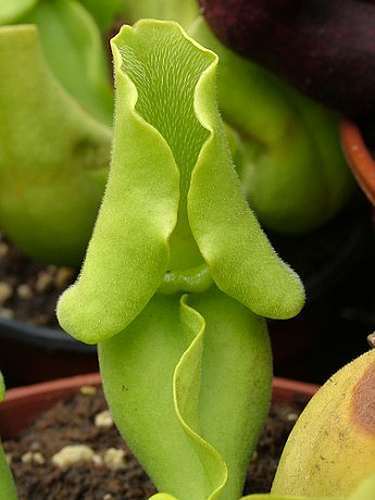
[360,160]
[24,404]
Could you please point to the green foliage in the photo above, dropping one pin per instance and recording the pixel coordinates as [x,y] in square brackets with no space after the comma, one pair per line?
[364,491]
[175,274]
[171,196]
[184,12]
[207,344]
[2,387]
[7,487]
[14,9]
[290,161]
[105,12]
[54,155]
[73,49]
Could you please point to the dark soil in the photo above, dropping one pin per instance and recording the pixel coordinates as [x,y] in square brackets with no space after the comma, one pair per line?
[29,291]
[73,422]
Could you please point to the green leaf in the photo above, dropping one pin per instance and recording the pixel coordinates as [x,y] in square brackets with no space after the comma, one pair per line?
[54,156]
[291,164]
[11,10]
[172,218]
[236,354]
[184,12]
[104,12]
[188,437]
[271,496]
[138,367]
[242,263]
[128,254]
[2,387]
[7,486]
[74,51]
[162,496]
[366,490]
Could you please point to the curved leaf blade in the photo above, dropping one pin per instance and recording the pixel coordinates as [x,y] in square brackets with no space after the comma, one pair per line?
[236,353]
[179,361]
[138,367]
[241,259]
[128,254]
[290,161]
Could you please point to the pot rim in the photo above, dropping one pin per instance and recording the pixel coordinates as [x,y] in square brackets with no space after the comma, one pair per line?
[359,158]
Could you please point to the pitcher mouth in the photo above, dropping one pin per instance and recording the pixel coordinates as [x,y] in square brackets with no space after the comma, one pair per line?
[195,279]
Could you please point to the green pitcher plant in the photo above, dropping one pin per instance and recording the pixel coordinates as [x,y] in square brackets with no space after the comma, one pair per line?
[55,141]
[7,486]
[178,275]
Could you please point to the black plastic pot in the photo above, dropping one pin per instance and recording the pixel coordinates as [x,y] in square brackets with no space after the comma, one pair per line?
[325,257]
[31,354]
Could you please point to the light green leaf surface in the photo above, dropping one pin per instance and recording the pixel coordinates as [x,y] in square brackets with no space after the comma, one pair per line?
[172,196]
[162,496]
[291,165]
[138,369]
[206,344]
[267,496]
[242,263]
[170,361]
[13,9]
[53,156]
[7,487]
[74,51]
[2,387]
[365,491]
[128,254]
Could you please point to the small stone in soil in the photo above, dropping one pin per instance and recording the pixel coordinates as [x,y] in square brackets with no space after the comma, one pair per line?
[114,458]
[104,419]
[71,455]
[6,292]
[88,390]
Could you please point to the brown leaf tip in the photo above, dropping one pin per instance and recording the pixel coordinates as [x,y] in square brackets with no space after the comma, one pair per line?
[363,401]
